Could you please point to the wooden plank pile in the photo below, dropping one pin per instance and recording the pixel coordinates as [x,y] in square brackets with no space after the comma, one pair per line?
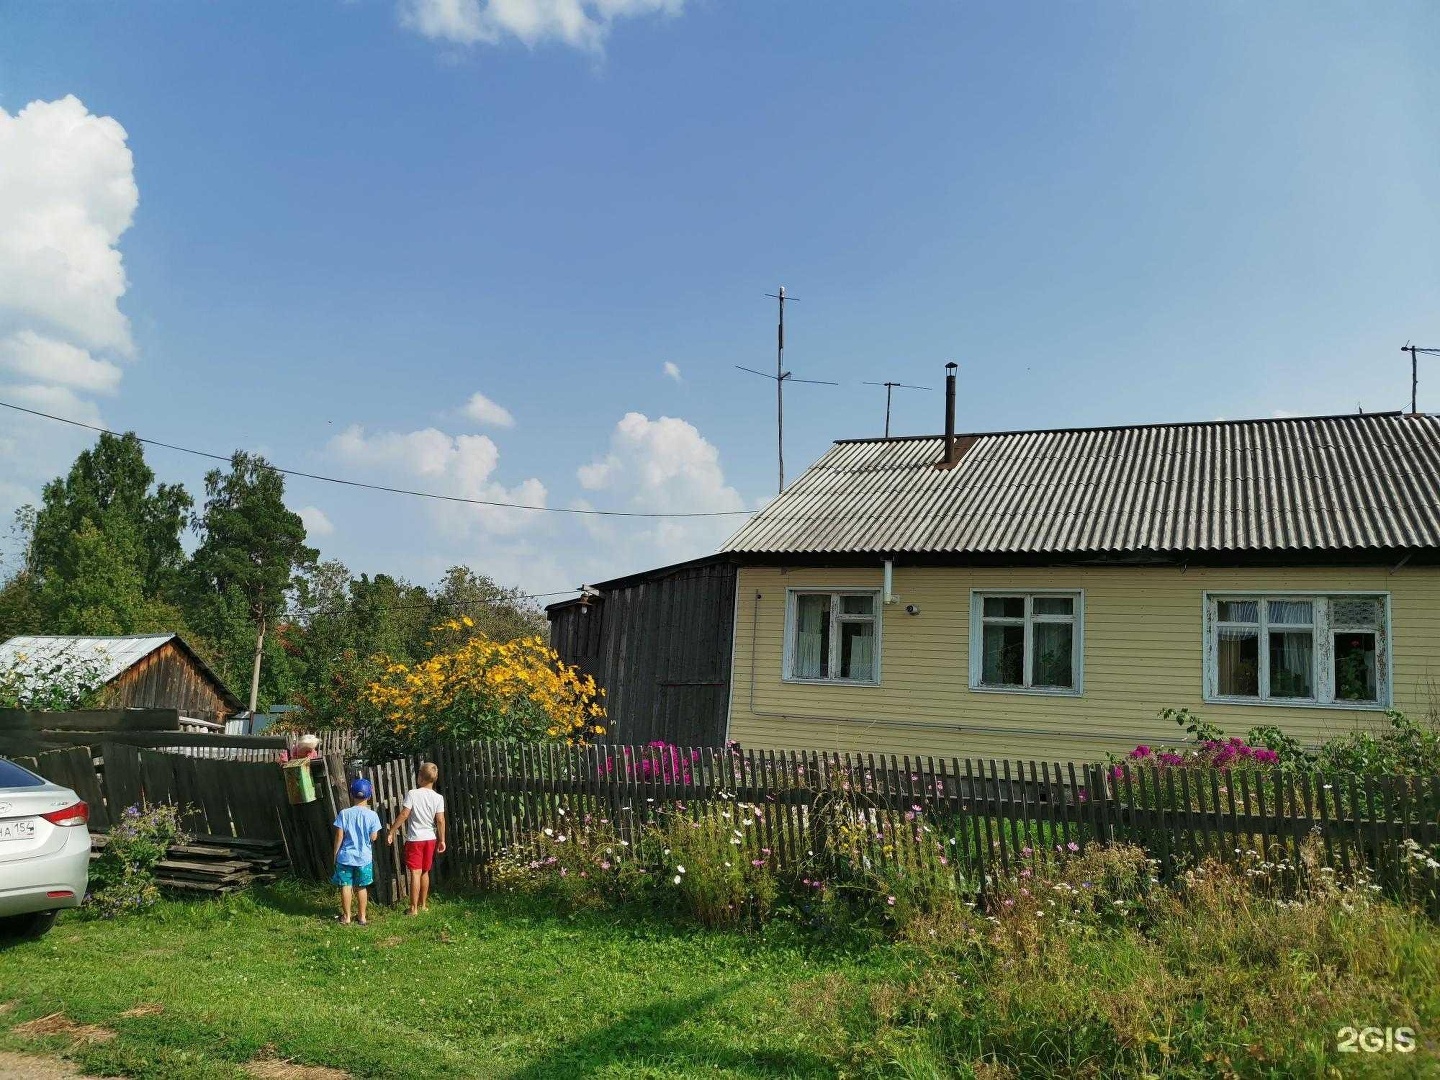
[214,865]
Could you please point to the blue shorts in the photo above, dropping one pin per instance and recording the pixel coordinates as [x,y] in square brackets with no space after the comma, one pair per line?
[359,877]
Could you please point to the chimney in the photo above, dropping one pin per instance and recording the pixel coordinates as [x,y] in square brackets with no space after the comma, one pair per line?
[952,449]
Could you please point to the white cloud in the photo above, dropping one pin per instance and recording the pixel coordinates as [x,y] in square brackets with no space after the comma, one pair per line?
[484,411]
[457,465]
[582,24]
[32,356]
[664,466]
[316,523]
[672,370]
[67,193]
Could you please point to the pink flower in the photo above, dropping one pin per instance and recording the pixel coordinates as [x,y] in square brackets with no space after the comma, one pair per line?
[1073,846]
[1009,903]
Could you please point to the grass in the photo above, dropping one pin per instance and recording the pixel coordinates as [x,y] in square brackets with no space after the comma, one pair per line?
[1089,973]
[483,987]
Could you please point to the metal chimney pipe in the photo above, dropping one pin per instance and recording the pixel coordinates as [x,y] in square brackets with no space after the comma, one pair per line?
[949,456]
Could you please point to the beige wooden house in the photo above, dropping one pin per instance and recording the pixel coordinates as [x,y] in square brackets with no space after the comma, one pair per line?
[1044,594]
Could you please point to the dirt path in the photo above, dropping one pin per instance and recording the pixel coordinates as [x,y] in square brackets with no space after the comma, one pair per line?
[30,1067]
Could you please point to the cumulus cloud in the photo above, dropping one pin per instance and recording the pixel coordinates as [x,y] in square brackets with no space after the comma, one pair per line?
[582,24]
[316,522]
[458,465]
[484,411]
[33,357]
[663,465]
[67,195]
[671,370]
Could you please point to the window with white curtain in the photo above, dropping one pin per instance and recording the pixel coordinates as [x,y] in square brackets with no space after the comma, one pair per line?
[1026,641]
[832,636]
[1298,649]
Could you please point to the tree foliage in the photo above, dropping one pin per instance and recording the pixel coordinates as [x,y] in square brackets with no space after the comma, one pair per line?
[102,554]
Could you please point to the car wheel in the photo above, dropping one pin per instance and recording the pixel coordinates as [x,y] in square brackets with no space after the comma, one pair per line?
[28,927]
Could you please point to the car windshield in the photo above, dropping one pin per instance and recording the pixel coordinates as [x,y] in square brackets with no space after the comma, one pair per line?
[12,775]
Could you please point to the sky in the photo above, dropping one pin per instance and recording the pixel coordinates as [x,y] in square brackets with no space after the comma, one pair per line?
[514,249]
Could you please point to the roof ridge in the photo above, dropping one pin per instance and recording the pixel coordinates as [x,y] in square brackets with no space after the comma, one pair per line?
[1137,427]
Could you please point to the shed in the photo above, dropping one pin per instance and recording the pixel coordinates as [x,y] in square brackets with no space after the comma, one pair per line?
[149,671]
[659,643]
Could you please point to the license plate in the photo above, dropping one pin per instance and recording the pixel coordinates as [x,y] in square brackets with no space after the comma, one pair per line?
[23,829]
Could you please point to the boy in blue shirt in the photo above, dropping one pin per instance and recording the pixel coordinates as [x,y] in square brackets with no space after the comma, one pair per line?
[356,828]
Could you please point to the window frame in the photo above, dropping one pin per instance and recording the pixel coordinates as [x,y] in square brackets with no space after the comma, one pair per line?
[836,593]
[1077,641]
[1323,649]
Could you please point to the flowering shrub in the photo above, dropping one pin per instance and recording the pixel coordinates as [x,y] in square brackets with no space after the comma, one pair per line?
[122,878]
[480,688]
[52,684]
[658,761]
[1211,754]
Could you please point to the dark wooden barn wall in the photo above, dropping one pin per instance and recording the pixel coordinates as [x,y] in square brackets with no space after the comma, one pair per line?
[168,679]
[661,649]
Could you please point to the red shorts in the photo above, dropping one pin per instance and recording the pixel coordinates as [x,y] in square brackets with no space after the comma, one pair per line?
[420,854]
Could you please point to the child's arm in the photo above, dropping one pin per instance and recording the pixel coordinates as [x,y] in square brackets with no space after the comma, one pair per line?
[440,830]
[339,839]
[395,825]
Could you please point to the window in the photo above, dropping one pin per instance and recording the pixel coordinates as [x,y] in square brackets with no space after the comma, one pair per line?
[1026,641]
[1296,649]
[833,637]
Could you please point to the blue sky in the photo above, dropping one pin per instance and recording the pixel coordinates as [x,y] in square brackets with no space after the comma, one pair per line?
[352,217]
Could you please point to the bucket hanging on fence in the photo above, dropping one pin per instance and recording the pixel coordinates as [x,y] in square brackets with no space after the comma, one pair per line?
[299,782]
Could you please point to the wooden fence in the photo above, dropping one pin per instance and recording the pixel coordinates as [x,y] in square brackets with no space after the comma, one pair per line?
[975,818]
[220,798]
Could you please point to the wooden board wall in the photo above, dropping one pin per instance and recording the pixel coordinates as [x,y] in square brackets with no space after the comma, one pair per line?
[169,678]
[661,649]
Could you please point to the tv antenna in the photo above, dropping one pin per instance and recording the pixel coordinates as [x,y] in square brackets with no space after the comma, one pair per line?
[1415,369]
[781,377]
[890,386]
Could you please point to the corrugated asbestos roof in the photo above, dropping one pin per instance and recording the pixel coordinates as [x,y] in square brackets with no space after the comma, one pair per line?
[1309,483]
[114,655]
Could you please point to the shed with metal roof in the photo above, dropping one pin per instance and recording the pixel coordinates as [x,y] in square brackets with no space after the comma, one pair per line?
[140,671]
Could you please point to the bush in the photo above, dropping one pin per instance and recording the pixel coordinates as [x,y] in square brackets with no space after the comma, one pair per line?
[122,878]
[477,688]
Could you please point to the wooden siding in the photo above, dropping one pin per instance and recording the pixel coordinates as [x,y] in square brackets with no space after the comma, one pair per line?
[1143,651]
[169,678]
[660,647]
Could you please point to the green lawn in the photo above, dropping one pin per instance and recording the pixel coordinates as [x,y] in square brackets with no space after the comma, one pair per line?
[474,988]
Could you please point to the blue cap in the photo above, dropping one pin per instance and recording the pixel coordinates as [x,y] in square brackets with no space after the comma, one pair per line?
[360,788]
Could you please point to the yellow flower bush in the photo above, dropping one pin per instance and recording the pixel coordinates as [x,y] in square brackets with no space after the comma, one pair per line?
[480,688]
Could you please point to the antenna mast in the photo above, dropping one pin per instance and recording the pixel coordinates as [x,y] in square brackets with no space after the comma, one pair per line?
[889,386]
[1415,370]
[781,377]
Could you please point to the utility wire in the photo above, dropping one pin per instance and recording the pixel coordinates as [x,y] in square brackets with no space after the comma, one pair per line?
[392,490]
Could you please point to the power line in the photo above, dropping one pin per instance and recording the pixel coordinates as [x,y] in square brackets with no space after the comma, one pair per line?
[383,487]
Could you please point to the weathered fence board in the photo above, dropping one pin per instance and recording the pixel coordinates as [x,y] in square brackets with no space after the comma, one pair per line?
[976,817]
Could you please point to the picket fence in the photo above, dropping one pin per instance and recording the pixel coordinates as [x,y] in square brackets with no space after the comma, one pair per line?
[975,818]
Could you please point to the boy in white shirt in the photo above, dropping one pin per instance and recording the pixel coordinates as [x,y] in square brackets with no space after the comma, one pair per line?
[424,821]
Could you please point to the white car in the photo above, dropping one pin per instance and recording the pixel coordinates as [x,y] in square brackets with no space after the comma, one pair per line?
[44,851]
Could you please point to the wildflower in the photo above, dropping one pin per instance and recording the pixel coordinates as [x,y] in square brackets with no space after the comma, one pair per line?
[890,900]
[677,879]
[1073,846]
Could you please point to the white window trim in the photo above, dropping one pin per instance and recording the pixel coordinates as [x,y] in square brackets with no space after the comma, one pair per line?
[788,667]
[977,660]
[1324,646]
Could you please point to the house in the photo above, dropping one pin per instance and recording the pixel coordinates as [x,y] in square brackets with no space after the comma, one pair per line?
[1044,594]
[673,686]
[151,671]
